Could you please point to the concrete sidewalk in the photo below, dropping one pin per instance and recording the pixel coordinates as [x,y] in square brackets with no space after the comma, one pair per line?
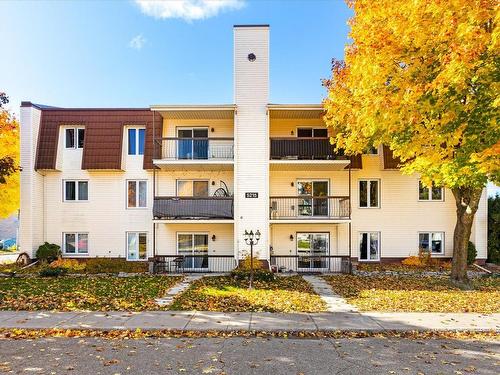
[202,321]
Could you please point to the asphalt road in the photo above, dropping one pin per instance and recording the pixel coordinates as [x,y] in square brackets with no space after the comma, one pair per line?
[248,356]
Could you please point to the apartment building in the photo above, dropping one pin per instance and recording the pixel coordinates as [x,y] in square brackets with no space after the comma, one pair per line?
[182,183]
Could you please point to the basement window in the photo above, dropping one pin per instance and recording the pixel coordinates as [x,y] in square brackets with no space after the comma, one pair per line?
[136,245]
[431,241]
[76,243]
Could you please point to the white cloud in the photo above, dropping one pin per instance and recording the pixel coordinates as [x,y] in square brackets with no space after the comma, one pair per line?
[188,10]
[137,42]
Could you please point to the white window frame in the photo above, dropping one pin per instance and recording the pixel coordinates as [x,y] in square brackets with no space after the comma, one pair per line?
[137,233]
[75,137]
[136,129]
[368,196]
[77,235]
[368,244]
[76,200]
[430,194]
[137,207]
[430,233]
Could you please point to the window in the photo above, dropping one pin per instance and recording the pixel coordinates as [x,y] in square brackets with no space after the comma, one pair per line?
[137,245]
[192,143]
[310,248]
[429,194]
[75,191]
[369,246]
[313,199]
[75,243]
[192,188]
[136,194]
[136,141]
[431,241]
[194,248]
[312,132]
[369,191]
[74,137]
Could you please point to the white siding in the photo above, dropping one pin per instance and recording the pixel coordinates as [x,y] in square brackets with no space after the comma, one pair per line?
[251,169]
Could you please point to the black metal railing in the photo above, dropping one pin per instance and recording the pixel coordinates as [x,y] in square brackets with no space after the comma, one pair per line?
[311,264]
[303,148]
[308,207]
[196,148]
[194,263]
[193,208]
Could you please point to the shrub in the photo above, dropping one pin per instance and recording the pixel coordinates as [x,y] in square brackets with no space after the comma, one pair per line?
[51,271]
[70,265]
[48,252]
[412,261]
[246,263]
[494,229]
[107,265]
[471,253]
[258,275]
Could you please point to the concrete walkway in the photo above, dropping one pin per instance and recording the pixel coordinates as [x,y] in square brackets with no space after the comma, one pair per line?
[201,321]
[177,289]
[334,302]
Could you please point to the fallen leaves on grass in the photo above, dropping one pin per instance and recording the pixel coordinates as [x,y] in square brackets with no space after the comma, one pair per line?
[135,293]
[222,293]
[417,294]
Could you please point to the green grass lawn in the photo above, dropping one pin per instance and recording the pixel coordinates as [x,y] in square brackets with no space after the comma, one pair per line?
[68,293]
[222,293]
[417,294]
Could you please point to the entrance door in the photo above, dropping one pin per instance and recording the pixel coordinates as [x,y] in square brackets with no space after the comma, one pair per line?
[195,144]
[311,201]
[312,249]
[194,248]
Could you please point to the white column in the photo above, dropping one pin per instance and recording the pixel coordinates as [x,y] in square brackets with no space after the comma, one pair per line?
[251,169]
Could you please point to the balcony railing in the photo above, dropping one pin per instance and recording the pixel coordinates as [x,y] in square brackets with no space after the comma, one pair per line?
[309,207]
[193,263]
[311,264]
[175,208]
[196,148]
[303,148]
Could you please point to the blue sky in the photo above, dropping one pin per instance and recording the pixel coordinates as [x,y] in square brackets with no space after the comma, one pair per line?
[121,54]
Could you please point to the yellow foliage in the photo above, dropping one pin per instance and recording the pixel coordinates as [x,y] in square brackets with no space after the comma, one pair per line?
[9,147]
[247,263]
[421,77]
[68,264]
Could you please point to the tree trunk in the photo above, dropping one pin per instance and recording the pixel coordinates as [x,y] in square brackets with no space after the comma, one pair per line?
[467,201]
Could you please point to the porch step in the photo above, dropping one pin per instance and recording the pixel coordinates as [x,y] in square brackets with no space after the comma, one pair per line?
[334,302]
[177,289]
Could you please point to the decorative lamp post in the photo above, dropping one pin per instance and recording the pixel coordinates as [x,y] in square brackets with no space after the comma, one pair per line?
[251,239]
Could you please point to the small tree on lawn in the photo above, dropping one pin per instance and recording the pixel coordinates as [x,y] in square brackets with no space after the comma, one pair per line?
[422,77]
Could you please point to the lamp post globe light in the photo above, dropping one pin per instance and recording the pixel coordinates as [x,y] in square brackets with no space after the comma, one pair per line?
[251,239]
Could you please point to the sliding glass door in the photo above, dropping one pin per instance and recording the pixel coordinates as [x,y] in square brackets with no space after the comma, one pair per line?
[312,248]
[311,201]
[194,248]
[193,143]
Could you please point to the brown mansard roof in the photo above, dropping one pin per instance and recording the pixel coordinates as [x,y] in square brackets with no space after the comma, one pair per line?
[103,134]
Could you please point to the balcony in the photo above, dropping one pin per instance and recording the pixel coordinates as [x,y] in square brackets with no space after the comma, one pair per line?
[309,209]
[193,208]
[195,153]
[295,153]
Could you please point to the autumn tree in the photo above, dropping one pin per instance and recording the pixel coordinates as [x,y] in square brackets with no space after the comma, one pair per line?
[9,160]
[422,77]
